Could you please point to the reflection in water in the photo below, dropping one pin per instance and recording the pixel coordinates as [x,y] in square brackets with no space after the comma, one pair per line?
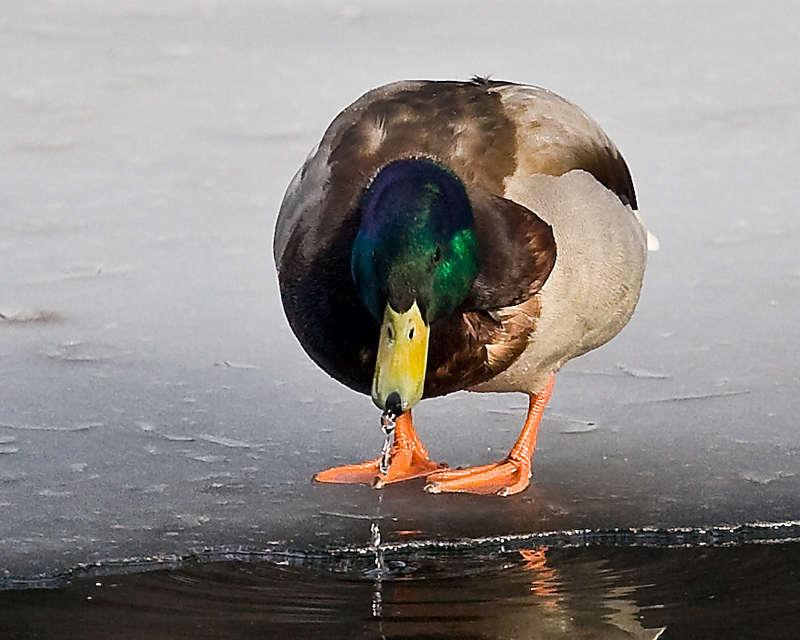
[598,592]
[544,585]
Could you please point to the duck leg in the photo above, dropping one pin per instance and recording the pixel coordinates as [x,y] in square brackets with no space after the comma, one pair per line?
[408,459]
[505,478]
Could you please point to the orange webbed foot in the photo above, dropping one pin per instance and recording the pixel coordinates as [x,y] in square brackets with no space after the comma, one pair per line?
[504,478]
[403,465]
[408,459]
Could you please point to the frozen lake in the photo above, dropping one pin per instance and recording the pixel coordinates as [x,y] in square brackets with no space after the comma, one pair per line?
[153,400]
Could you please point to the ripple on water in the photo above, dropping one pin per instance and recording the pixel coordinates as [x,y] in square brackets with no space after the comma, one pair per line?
[507,588]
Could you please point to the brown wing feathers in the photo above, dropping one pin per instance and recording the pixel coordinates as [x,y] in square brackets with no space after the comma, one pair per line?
[516,252]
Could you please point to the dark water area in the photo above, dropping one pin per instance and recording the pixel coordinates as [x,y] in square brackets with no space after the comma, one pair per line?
[473,589]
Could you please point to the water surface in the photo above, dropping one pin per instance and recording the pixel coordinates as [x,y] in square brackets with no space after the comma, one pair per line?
[486,590]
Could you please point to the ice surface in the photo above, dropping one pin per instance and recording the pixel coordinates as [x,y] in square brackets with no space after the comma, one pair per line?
[153,399]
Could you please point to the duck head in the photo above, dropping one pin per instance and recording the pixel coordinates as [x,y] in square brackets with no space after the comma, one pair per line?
[414,261]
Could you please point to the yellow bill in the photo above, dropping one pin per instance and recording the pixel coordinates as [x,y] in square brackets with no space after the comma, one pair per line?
[402,359]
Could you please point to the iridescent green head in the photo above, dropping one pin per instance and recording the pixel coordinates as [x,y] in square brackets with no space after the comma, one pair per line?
[416,240]
[414,261]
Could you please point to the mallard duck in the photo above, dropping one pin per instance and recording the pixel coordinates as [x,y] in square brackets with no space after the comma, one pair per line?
[457,235]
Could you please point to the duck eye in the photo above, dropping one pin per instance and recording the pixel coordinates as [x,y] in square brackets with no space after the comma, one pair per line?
[437,255]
